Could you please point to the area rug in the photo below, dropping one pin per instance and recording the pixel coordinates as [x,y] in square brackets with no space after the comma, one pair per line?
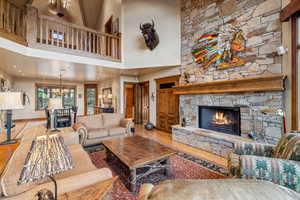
[183,166]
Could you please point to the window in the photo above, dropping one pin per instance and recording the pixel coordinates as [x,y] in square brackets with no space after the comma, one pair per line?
[44,92]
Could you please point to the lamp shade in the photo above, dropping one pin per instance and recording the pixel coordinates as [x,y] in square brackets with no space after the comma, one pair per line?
[55,103]
[11,101]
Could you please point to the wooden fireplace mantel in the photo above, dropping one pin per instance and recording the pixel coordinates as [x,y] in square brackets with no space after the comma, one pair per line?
[256,84]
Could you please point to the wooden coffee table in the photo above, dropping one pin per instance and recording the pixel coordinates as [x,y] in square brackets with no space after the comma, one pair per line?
[137,157]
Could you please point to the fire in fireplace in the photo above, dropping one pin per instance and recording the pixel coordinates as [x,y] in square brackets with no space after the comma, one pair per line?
[222,119]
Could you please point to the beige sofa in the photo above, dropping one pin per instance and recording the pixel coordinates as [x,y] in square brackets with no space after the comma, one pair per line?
[93,129]
[83,174]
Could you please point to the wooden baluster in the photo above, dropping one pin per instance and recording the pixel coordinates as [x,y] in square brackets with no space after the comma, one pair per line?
[86,41]
[47,31]
[23,24]
[57,32]
[89,41]
[113,49]
[51,34]
[7,16]
[103,42]
[72,38]
[1,13]
[12,27]
[95,43]
[67,35]
[18,25]
[98,46]
[81,40]
[119,48]
[109,48]
[77,39]
[41,30]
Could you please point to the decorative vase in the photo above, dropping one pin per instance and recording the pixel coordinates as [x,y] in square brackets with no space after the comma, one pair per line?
[149,126]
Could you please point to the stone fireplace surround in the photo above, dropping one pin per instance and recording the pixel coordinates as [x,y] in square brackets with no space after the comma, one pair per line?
[269,128]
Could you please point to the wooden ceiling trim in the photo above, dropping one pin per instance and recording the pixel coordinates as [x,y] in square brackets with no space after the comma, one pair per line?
[256,84]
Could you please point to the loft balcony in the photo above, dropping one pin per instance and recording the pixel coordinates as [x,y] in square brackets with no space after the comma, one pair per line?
[27,27]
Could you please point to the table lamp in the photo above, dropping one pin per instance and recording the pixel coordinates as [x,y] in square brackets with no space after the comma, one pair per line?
[10,101]
[54,104]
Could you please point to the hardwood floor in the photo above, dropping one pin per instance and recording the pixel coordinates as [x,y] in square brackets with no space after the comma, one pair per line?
[166,139]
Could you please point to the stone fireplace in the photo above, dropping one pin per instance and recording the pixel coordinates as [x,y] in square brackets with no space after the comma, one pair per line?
[220,118]
[221,113]
[256,85]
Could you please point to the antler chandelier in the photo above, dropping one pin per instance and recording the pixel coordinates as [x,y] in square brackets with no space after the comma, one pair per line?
[58,7]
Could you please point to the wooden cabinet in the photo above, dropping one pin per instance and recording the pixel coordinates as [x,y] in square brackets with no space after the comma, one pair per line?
[167,113]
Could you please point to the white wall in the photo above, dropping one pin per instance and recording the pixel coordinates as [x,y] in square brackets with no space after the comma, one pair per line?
[114,84]
[109,8]
[166,14]
[152,84]
[28,86]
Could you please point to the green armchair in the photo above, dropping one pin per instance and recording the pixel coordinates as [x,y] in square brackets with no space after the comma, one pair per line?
[279,163]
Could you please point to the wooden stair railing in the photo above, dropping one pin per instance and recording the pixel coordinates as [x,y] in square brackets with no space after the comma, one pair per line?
[74,37]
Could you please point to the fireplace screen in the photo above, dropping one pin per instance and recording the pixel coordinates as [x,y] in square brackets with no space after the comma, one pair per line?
[222,119]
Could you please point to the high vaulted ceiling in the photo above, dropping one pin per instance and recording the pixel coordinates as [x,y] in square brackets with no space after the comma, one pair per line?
[82,12]
[91,12]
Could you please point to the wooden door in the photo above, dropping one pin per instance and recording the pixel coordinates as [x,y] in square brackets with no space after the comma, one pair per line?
[167,108]
[90,98]
[142,103]
[145,102]
[129,100]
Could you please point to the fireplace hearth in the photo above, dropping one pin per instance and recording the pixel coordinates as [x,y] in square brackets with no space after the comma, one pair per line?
[221,119]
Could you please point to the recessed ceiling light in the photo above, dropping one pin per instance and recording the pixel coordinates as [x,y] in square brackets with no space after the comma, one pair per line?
[14,66]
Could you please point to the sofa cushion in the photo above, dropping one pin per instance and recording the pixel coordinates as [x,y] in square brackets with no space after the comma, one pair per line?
[92,121]
[111,119]
[97,133]
[117,131]
[288,147]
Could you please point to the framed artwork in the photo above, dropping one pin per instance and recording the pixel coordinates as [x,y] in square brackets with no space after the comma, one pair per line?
[107,96]
[3,85]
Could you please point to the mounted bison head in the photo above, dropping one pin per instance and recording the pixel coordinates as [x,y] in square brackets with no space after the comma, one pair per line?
[150,35]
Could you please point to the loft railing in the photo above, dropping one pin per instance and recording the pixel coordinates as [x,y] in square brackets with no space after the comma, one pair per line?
[44,32]
[53,32]
[12,21]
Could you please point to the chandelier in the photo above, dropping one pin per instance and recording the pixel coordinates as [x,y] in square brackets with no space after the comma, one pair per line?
[60,3]
[58,7]
[60,93]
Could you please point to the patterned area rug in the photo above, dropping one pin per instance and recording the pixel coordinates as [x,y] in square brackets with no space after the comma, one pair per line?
[183,166]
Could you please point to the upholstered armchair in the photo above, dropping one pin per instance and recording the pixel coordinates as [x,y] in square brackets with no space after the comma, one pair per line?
[279,163]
